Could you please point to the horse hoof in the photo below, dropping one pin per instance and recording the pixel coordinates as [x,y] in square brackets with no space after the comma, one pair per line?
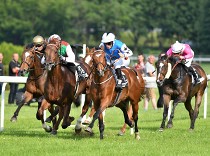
[89,130]
[169,125]
[13,119]
[64,126]
[48,120]
[121,133]
[161,130]
[48,130]
[78,130]
[86,122]
[101,137]
[53,132]
[137,136]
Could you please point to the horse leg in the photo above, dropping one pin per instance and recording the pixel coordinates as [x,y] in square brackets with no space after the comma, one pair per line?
[165,111]
[78,126]
[66,119]
[101,125]
[170,123]
[188,106]
[95,116]
[60,117]
[53,113]
[198,100]
[123,129]
[40,112]
[25,99]
[135,107]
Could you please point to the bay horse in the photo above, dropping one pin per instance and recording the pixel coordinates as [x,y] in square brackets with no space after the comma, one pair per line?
[60,86]
[31,63]
[176,82]
[103,92]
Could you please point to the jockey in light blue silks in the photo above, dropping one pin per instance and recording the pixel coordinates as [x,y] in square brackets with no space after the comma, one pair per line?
[117,53]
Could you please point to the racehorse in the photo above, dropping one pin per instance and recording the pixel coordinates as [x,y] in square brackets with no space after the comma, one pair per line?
[60,86]
[31,63]
[176,82]
[103,92]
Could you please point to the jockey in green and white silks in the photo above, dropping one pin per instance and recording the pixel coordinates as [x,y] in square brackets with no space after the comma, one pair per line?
[116,52]
[68,55]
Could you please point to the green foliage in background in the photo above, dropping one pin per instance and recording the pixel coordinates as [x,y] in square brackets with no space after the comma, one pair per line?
[84,21]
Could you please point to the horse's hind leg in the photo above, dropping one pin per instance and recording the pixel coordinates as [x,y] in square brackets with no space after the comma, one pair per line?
[78,126]
[188,106]
[60,117]
[198,100]
[26,98]
[135,108]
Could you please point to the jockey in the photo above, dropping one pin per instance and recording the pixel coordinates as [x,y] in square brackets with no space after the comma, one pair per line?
[68,55]
[117,53]
[186,53]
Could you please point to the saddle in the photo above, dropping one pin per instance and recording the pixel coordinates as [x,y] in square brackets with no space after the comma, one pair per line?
[71,67]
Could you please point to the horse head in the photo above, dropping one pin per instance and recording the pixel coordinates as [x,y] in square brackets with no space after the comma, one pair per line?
[52,57]
[99,61]
[166,68]
[31,59]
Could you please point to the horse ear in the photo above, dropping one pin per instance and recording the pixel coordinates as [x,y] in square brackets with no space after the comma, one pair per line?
[87,50]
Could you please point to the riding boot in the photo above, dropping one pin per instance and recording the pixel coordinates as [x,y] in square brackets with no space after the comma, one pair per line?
[119,79]
[81,73]
[195,75]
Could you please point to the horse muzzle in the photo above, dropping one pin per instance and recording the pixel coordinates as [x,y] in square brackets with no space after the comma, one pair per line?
[100,73]
[160,82]
[49,66]
[23,72]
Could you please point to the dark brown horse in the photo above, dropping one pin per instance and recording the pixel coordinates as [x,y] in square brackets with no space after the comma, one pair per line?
[31,63]
[104,95]
[177,85]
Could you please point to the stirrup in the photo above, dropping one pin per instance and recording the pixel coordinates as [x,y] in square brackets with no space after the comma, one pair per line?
[119,85]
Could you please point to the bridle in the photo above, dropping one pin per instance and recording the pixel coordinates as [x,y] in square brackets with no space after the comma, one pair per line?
[32,60]
[100,72]
[50,65]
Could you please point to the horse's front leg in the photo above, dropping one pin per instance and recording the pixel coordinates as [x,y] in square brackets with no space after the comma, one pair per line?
[166,101]
[40,112]
[135,108]
[66,119]
[95,116]
[101,125]
[60,117]
[25,99]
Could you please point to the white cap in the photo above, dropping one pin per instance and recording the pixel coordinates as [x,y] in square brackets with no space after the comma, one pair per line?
[177,47]
[54,36]
[108,37]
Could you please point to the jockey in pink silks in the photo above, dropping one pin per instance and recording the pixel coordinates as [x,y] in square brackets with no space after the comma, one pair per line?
[186,53]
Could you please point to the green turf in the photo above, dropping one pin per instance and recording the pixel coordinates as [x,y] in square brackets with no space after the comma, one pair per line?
[26,136]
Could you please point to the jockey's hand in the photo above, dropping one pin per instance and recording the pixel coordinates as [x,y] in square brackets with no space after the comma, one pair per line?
[121,55]
[182,57]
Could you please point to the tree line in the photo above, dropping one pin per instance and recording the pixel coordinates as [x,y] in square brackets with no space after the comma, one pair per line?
[141,24]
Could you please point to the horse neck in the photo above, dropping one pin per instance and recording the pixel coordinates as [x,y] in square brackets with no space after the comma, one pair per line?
[101,79]
[55,75]
[38,68]
[178,72]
